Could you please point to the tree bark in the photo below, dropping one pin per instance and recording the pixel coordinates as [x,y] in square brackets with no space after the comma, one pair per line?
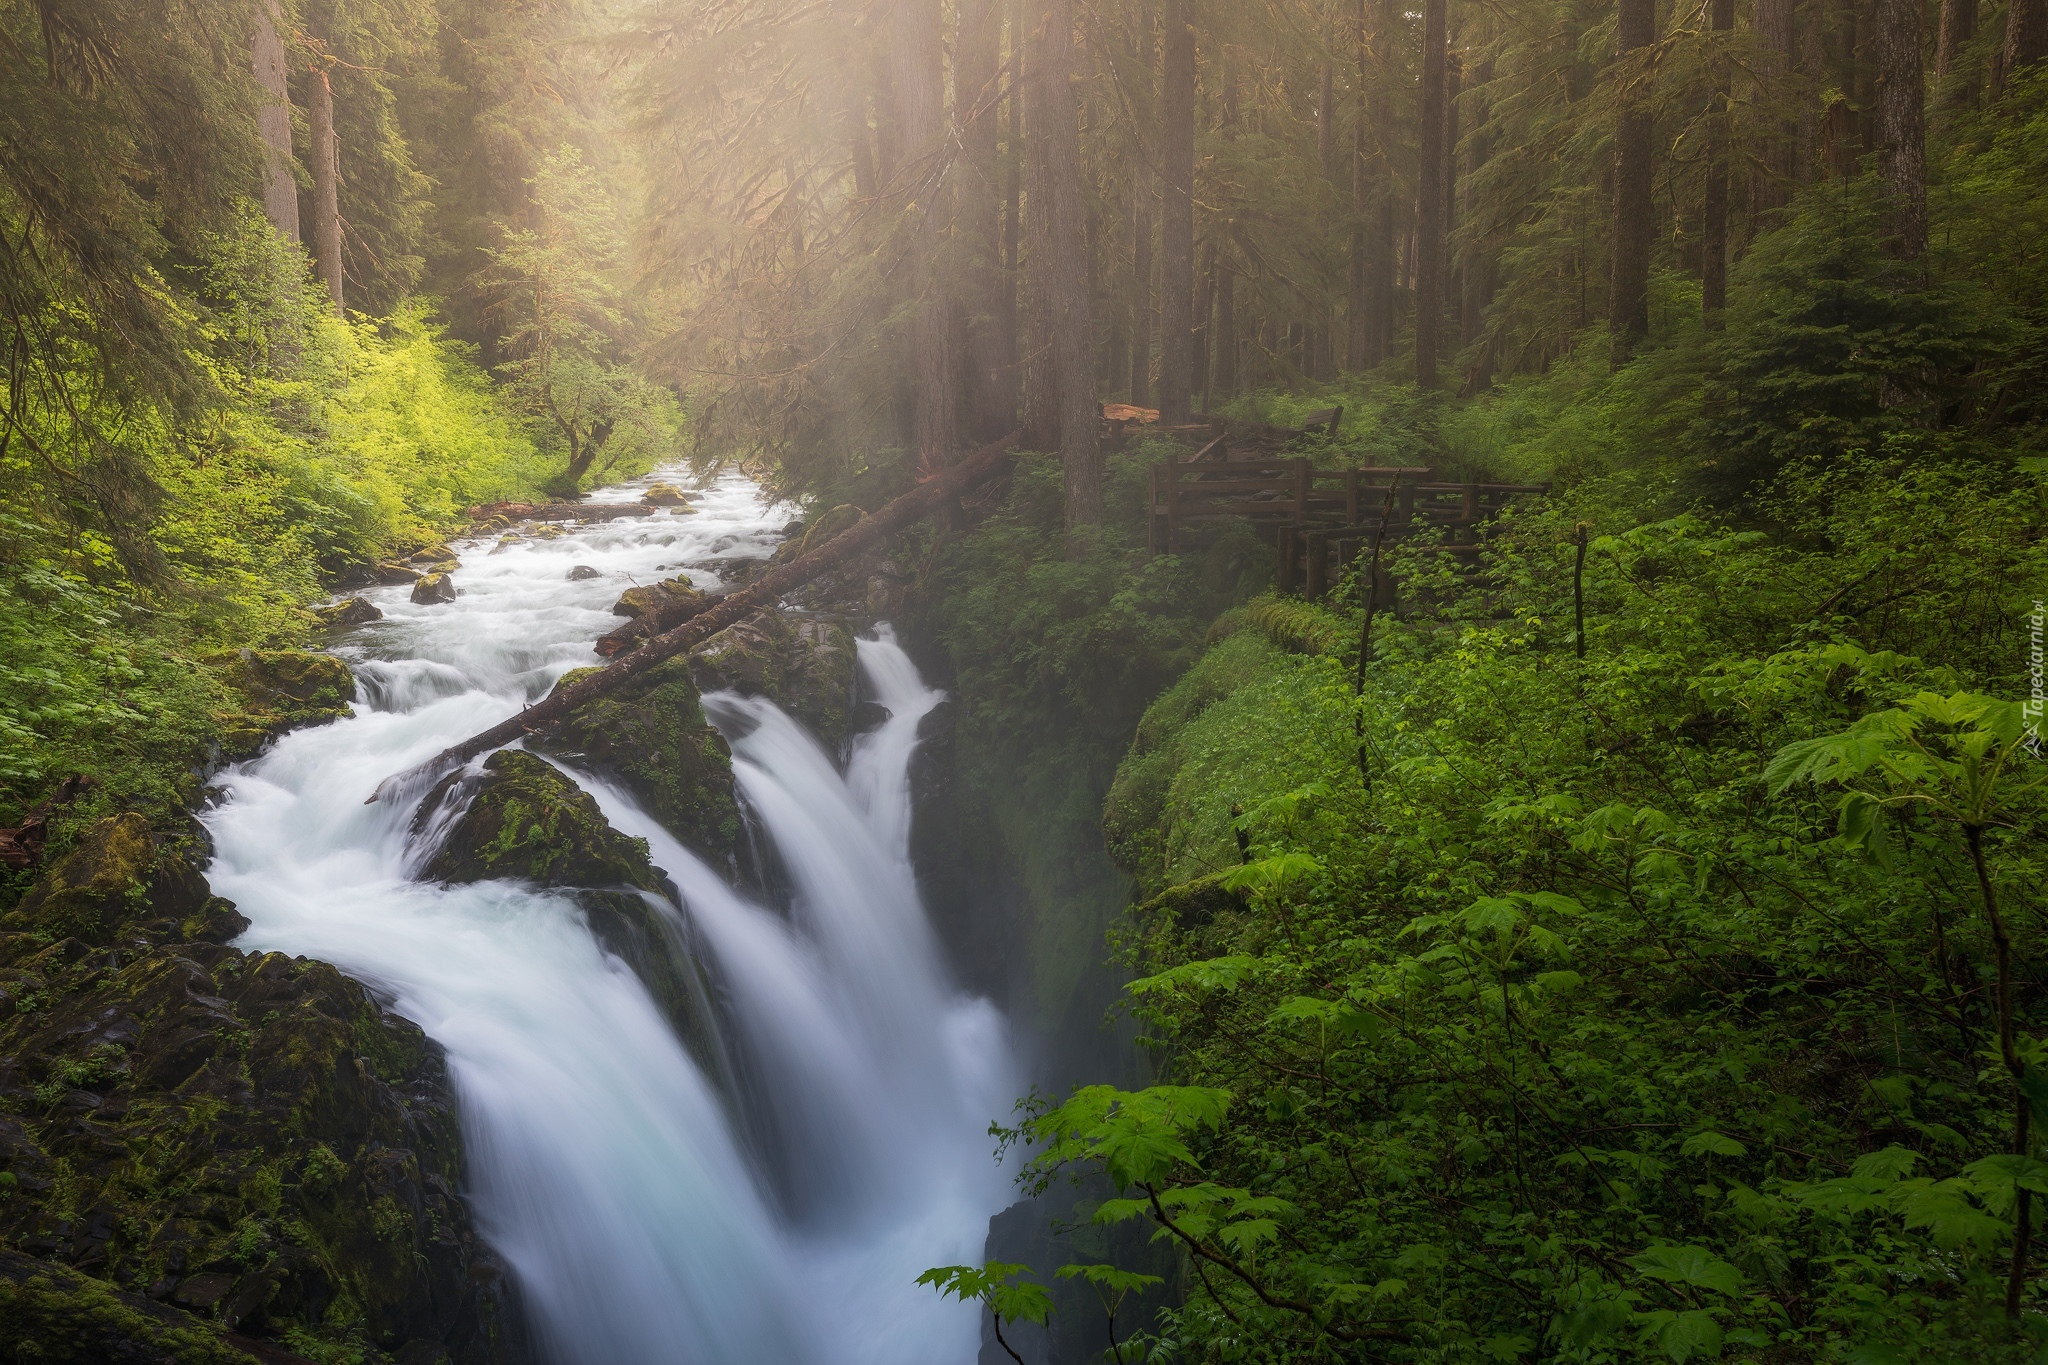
[1902,124]
[1205,306]
[1177,217]
[1041,399]
[1714,193]
[977,115]
[1013,186]
[1477,290]
[1073,325]
[1141,228]
[1776,50]
[917,76]
[274,122]
[2026,36]
[326,188]
[922,501]
[1454,80]
[1226,329]
[1380,245]
[1429,199]
[1958,26]
[1628,299]
[1356,345]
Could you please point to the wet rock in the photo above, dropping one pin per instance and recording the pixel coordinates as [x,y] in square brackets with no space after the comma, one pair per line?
[524,818]
[866,716]
[657,598]
[434,559]
[390,571]
[804,664]
[434,588]
[50,1313]
[250,1138]
[280,689]
[581,572]
[350,611]
[650,737]
[667,495]
[93,890]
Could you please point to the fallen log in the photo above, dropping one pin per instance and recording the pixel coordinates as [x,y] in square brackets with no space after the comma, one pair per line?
[614,642]
[920,502]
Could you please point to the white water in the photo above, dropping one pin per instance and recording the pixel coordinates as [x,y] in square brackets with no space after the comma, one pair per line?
[644,1219]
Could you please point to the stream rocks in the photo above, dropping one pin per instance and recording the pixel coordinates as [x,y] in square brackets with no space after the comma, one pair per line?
[651,738]
[432,589]
[198,1140]
[804,664]
[280,689]
[350,611]
[526,819]
[523,818]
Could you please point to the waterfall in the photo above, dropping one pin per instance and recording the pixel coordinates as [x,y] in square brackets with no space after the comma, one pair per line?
[648,1215]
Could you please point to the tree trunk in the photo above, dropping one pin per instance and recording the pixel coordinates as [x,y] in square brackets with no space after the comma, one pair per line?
[1326,125]
[1205,304]
[274,122]
[1429,199]
[918,77]
[2026,36]
[326,188]
[1073,326]
[1226,330]
[1380,247]
[1628,299]
[977,114]
[1902,124]
[734,607]
[1357,345]
[1958,26]
[1454,79]
[1013,226]
[1812,75]
[1714,194]
[1775,52]
[1177,217]
[1041,400]
[1477,291]
[1141,228]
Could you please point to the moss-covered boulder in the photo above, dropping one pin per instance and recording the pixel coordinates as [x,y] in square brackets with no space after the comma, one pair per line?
[651,738]
[350,611]
[654,598]
[122,882]
[667,495]
[805,665]
[523,818]
[49,1314]
[433,589]
[279,690]
[251,1142]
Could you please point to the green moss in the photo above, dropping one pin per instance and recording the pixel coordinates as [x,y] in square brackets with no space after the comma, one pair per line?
[651,737]
[95,887]
[50,1315]
[803,664]
[528,820]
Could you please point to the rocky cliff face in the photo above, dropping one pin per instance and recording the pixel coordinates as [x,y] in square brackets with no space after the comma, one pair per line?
[245,1144]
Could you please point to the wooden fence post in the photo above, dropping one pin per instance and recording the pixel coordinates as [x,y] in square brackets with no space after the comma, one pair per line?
[1314,546]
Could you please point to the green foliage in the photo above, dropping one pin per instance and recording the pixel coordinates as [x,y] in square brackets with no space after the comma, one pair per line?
[320,445]
[1590,1026]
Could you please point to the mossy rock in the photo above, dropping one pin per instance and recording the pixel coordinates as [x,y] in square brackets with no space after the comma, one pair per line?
[432,589]
[651,738]
[280,690]
[821,529]
[525,819]
[805,665]
[350,611]
[51,1314]
[120,879]
[654,597]
[1192,905]
[251,1138]
[667,495]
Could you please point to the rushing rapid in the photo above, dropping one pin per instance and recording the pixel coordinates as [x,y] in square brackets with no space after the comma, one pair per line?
[648,1214]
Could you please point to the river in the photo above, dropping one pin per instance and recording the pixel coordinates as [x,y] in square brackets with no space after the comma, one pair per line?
[648,1213]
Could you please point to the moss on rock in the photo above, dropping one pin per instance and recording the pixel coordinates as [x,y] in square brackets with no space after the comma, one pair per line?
[279,690]
[524,818]
[50,1314]
[651,738]
[251,1139]
[805,665]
